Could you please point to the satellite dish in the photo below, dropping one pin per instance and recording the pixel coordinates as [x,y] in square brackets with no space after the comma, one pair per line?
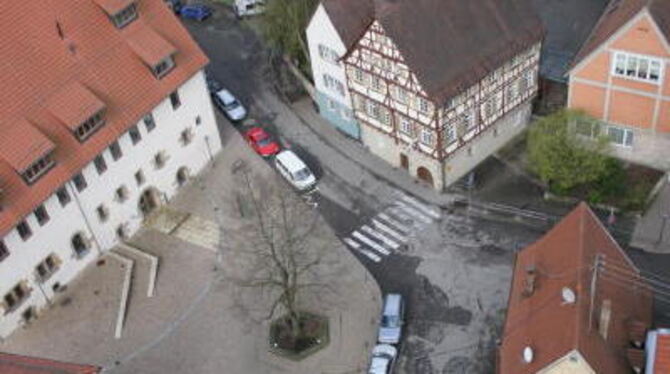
[568,295]
[528,355]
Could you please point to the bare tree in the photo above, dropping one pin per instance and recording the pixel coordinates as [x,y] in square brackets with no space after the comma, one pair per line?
[280,238]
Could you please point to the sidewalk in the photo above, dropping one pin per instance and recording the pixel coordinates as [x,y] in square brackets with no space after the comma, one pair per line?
[194,323]
[652,232]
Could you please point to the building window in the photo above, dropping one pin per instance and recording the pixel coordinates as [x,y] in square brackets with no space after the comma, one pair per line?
[637,67]
[24,230]
[38,168]
[103,212]
[401,95]
[386,116]
[186,136]
[619,136]
[47,267]
[15,297]
[160,159]
[426,137]
[135,135]
[449,134]
[115,150]
[79,182]
[587,128]
[198,120]
[80,245]
[63,196]
[359,76]
[149,122]
[4,252]
[125,16]
[328,54]
[175,100]
[468,121]
[90,126]
[376,84]
[121,194]
[372,109]
[333,84]
[163,67]
[423,105]
[41,215]
[406,126]
[100,164]
[122,232]
[139,177]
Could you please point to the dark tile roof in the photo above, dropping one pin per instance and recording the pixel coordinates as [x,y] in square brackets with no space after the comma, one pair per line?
[617,14]
[567,23]
[543,321]
[350,18]
[448,44]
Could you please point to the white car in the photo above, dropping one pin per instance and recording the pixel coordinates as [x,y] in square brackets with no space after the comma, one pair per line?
[244,8]
[229,105]
[383,357]
[294,170]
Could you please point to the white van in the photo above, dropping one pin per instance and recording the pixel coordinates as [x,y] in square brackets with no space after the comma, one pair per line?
[245,8]
[294,170]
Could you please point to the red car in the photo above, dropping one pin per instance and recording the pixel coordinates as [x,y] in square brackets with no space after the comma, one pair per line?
[261,142]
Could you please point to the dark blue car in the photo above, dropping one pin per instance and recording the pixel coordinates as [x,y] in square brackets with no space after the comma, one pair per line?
[196,11]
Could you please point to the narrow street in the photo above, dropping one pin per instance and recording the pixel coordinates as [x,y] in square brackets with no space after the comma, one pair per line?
[454,269]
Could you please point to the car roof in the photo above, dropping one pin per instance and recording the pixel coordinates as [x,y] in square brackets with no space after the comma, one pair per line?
[290,160]
[225,95]
[384,349]
[379,365]
[392,304]
[257,131]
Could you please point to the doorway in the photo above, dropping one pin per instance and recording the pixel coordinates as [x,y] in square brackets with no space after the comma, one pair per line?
[404,161]
[424,175]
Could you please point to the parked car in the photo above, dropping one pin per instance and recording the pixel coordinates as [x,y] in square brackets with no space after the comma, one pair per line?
[261,142]
[390,330]
[383,358]
[229,105]
[244,8]
[294,170]
[197,12]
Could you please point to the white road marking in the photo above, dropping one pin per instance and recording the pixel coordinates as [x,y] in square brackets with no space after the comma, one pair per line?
[370,255]
[381,237]
[394,222]
[389,231]
[423,207]
[352,243]
[415,213]
[374,245]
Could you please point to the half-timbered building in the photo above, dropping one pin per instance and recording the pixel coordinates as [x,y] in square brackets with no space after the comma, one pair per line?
[439,85]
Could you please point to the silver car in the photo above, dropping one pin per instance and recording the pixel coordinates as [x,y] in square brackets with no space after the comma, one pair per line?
[229,105]
[390,330]
[383,357]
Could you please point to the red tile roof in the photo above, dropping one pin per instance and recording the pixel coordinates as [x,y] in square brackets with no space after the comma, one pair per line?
[15,364]
[147,44]
[37,64]
[73,104]
[113,6]
[617,14]
[550,326]
[21,143]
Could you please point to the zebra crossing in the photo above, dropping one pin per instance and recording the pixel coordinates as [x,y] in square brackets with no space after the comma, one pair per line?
[391,228]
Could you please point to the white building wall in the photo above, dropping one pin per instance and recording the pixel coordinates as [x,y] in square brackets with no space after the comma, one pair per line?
[65,221]
[321,31]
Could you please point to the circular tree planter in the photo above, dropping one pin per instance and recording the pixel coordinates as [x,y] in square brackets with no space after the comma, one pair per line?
[313,338]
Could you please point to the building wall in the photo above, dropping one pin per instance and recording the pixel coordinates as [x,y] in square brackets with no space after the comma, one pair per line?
[80,216]
[628,103]
[398,118]
[487,143]
[334,104]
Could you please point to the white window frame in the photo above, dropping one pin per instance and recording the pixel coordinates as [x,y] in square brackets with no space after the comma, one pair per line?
[638,57]
[427,137]
[406,126]
[628,136]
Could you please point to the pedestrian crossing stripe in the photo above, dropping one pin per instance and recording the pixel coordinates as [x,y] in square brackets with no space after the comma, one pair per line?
[422,207]
[389,231]
[397,225]
[381,237]
[374,245]
[415,213]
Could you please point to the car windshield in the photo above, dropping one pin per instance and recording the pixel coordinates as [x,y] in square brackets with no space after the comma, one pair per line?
[264,141]
[389,321]
[301,174]
[232,105]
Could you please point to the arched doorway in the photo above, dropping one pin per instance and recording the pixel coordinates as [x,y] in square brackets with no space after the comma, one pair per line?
[424,174]
[183,175]
[149,201]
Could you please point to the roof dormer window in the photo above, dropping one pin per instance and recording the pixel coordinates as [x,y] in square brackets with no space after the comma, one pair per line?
[125,16]
[38,168]
[163,67]
[91,125]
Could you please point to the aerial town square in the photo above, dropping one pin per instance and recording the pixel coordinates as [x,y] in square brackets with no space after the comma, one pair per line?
[335,187]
